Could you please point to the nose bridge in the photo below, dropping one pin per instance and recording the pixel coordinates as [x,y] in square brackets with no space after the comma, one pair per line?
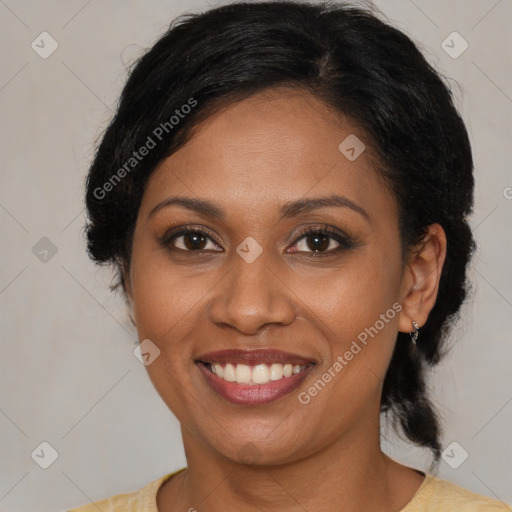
[251,294]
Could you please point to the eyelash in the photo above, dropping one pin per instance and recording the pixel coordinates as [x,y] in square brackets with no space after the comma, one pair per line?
[344,241]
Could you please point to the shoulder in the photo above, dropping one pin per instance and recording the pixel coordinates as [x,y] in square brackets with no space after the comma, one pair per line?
[143,499]
[437,495]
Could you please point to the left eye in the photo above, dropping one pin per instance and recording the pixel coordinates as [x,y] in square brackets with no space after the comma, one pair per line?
[320,242]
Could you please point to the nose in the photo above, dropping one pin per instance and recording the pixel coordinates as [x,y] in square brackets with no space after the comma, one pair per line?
[252,296]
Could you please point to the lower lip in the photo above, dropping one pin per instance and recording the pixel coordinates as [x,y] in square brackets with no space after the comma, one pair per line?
[259,394]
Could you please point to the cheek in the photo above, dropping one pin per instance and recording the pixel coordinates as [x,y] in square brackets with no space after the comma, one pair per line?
[358,314]
[353,296]
[166,297]
[165,308]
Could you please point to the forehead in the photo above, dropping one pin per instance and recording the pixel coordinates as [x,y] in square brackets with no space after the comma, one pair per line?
[274,147]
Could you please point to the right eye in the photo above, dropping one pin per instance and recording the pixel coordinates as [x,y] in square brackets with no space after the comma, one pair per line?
[189,240]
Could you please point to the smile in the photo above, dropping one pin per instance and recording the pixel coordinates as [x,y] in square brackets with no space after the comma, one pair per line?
[253,377]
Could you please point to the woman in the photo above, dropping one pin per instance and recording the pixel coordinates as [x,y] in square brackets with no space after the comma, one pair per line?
[284,191]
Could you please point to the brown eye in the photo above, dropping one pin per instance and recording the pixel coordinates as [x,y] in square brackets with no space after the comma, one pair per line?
[322,242]
[317,242]
[194,240]
[190,240]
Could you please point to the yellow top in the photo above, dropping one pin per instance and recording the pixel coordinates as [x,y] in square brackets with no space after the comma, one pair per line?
[434,495]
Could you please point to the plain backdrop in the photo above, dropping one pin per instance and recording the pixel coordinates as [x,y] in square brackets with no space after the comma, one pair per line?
[68,376]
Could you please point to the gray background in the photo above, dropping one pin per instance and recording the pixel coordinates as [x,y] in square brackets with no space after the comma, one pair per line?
[68,374]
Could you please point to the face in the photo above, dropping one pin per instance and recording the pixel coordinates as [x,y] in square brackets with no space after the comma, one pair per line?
[248,278]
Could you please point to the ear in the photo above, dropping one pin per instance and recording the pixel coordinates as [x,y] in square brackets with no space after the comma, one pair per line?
[420,282]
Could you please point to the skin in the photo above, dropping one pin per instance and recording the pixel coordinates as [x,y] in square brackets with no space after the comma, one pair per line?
[308,457]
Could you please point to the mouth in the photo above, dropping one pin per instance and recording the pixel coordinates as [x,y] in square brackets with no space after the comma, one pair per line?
[253,377]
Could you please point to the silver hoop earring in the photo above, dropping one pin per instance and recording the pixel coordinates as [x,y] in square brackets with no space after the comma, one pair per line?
[414,334]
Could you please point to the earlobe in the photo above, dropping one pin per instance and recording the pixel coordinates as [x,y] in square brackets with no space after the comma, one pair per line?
[421,278]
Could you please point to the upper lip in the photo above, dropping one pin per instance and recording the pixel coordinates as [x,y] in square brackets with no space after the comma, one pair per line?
[253,357]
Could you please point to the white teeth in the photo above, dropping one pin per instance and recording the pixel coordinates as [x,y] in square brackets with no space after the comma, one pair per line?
[243,373]
[229,373]
[276,371]
[258,374]
[217,369]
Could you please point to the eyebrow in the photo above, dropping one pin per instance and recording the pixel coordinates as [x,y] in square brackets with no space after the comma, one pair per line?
[287,210]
